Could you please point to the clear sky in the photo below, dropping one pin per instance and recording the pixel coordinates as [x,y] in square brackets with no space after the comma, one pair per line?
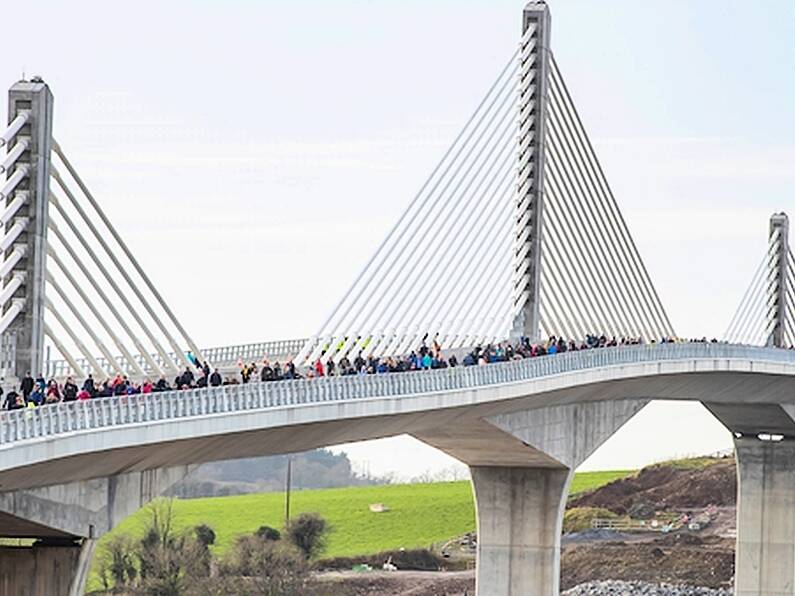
[253,154]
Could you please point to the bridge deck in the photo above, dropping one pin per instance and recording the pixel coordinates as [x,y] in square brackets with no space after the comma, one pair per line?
[70,417]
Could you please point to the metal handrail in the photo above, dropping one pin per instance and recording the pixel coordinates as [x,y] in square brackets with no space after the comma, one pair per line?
[56,419]
[221,356]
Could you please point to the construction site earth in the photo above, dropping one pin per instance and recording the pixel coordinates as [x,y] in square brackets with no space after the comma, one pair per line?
[668,530]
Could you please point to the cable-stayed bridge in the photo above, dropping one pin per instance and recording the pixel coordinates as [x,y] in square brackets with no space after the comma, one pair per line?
[515,236]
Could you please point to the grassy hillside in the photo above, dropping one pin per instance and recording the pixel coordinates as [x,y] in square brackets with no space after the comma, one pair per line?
[419,514]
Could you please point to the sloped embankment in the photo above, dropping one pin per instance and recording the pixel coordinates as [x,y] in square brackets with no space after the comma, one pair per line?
[691,558]
[671,486]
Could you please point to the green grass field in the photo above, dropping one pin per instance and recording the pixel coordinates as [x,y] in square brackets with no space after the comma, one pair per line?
[419,514]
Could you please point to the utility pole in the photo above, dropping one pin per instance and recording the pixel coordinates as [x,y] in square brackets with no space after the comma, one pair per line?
[287,491]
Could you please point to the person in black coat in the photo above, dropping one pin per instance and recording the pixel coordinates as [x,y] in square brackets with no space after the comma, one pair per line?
[11,401]
[26,386]
[188,377]
[162,384]
[89,387]
[69,390]
[215,379]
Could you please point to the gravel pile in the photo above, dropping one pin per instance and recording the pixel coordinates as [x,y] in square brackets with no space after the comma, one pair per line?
[617,588]
[594,536]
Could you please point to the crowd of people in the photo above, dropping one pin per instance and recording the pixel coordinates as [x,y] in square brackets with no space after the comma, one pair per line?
[35,392]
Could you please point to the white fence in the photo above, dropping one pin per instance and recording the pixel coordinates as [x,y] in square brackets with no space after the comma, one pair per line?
[56,419]
[219,357]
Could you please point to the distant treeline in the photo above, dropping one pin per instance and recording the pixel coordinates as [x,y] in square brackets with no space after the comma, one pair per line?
[314,469]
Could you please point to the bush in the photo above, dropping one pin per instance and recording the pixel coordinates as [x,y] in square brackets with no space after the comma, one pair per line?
[117,563]
[268,534]
[263,567]
[169,562]
[205,535]
[309,532]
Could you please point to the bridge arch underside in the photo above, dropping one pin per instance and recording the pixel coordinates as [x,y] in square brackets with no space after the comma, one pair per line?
[521,440]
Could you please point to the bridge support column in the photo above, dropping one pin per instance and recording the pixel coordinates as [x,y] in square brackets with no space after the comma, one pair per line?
[520,514]
[765,557]
[522,463]
[45,569]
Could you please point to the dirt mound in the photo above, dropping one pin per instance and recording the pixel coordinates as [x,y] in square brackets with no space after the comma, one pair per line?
[667,487]
[710,564]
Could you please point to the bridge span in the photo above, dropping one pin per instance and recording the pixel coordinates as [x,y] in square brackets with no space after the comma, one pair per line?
[74,470]
[516,235]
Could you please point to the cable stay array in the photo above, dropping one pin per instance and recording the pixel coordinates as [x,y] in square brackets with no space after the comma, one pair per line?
[444,271]
[104,314]
[766,313]
[593,278]
[455,268]
[101,312]
[515,233]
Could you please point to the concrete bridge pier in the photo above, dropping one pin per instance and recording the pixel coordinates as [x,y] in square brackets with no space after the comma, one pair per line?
[47,567]
[764,446]
[520,513]
[522,464]
[65,520]
[765,556]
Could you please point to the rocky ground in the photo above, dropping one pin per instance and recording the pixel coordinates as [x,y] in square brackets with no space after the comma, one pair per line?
[462,583]
[398,583]
[676,559]
[617,588]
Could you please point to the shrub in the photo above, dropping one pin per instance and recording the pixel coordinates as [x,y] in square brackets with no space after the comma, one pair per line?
[205,534]
[268,534]
[309,532]
[117,564]
[264,567]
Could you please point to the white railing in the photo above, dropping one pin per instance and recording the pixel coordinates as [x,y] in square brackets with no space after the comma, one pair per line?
[220,357]
[56,419]
[253,352]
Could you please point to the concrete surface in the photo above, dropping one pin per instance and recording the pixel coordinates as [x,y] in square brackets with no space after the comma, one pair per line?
[765,556]
[45,569]
[519,512]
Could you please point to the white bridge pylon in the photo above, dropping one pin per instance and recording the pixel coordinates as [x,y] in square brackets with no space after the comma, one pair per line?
[67,275]
[515,233]
[766,314]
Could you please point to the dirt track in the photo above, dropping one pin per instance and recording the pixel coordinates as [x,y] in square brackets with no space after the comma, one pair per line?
[681,559]
[400,583]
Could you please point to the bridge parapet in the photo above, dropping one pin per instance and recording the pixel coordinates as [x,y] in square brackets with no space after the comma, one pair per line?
[222,357]
[69,417]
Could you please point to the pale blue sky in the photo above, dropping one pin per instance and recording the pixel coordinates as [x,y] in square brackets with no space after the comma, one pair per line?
[254,153]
